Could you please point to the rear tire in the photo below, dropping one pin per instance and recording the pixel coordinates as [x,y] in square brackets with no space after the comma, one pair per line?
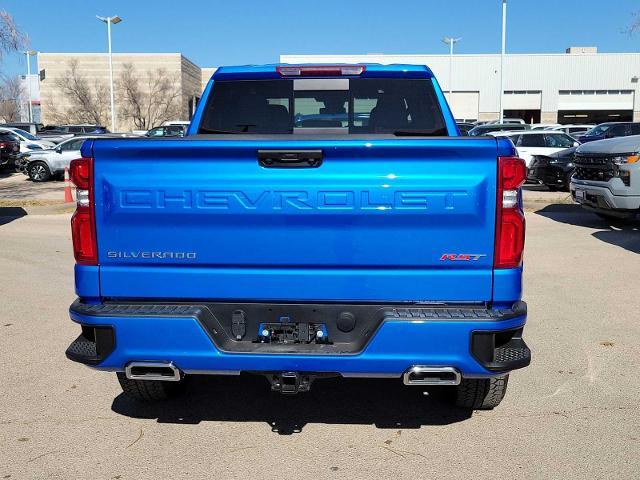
[481,393]
[38,172]
[149,391]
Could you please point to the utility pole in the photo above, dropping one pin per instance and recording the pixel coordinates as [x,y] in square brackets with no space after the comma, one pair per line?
[28,54]
[451,42]
[109,21]
[504,47]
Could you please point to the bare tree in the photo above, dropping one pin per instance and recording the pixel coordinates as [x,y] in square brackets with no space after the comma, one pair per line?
[88,102]
[11,38]
[634,26]
[150,100]
[10,99]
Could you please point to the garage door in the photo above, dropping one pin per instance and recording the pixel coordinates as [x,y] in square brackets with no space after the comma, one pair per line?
[595,100]
[522,99]
[465,105]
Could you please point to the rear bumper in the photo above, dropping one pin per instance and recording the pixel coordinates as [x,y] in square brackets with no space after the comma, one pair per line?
[482,344]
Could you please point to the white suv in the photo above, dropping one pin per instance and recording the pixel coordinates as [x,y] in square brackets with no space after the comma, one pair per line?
[538,142]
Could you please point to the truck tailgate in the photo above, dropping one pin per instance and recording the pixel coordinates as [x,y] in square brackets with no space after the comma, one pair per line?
[379,220]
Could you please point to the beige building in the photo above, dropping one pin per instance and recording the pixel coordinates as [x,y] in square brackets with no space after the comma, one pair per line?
[64,93]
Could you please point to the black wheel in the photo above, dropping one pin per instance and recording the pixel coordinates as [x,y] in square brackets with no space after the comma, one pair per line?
[481,393]
[567,182]
[150,390]
[38,172]
[552,188]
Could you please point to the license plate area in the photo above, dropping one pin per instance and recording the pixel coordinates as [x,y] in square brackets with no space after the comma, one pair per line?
[287,332]
[581,195]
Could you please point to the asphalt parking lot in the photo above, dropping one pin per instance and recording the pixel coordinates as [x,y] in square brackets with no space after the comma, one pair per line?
[574,413]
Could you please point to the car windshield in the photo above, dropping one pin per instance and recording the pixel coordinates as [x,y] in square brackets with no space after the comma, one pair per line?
[347,106]
[26,135]
[598,130]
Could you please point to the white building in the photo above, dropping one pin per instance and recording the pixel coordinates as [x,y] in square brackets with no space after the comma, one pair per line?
[580,86]
[34,80]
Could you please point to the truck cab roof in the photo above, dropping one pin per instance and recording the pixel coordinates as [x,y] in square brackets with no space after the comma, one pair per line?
[370,70]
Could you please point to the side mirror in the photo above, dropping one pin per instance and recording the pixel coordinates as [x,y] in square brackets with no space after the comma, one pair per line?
[576,144]
[58,149]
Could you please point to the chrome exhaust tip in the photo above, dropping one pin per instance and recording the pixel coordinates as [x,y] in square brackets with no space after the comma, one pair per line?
[163,371]
[423,375]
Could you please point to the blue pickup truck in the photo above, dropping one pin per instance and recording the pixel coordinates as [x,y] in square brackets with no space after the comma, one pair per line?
[315,221]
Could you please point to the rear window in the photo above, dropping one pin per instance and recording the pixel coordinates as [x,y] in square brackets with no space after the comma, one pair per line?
[535,140]
[325,105]
[559,140]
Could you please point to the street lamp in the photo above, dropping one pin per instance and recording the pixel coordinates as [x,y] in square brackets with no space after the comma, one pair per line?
[29,54]
[109,21]
[451,42]
[504,45]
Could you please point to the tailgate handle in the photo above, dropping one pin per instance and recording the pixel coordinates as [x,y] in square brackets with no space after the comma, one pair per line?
[290,158]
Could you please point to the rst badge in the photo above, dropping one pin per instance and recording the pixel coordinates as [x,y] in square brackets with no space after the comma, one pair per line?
[461,257]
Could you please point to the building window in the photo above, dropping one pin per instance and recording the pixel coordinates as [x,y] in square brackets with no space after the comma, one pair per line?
[595,92]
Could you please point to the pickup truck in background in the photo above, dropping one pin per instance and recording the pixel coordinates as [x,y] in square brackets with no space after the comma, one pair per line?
[315,221]
[606,179]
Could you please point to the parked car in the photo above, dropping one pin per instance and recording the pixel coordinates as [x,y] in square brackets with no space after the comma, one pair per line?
[184,123]
[31,127]
[58,133]
[553,170]
[512,120]
[575,131]
[465,128]
[610,130]
[606,179]
[27,141]
[362,252]
[544,126]
[9,148]
[43,165]
[538,142]
[496,127]
[168,131]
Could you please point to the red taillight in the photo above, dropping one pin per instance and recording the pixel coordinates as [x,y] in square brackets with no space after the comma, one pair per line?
[320,70]
[510,225]
[80,172]
[83,223]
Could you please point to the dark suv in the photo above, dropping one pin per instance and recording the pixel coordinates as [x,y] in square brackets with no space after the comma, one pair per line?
[9,148]
[610,130]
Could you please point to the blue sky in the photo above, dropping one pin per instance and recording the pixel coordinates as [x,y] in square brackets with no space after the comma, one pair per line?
[213,33]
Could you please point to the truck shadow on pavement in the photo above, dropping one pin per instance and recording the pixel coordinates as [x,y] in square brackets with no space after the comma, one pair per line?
[383,403]
[624,234]
[9,214]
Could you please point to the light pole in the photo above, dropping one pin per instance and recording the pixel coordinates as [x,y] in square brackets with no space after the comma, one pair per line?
[504,46]
[451,42]
[109,21]
[29,54]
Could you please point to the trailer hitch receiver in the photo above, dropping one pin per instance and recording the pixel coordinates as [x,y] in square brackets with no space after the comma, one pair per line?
[290,383]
